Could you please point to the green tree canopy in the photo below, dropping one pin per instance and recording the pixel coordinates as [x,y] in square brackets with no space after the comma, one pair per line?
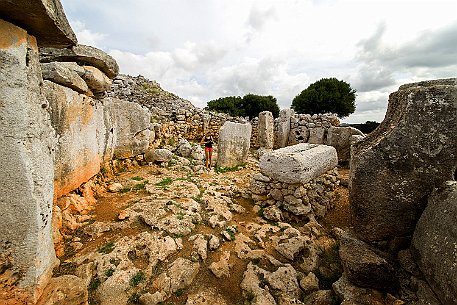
[328,95]
[250,105]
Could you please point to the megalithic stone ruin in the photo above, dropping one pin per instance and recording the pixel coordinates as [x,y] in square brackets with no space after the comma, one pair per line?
[396,167]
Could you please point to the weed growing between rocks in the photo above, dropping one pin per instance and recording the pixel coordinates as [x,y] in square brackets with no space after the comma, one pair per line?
[107,248]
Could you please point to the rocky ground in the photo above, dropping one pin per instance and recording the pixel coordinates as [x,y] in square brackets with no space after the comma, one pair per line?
[167,234]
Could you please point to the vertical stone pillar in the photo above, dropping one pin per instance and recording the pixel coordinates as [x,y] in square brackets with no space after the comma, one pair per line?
[233,144]
[27,169]
[266,129]
[284,127]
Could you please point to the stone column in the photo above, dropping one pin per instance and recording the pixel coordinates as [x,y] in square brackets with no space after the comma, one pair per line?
[284,126]
[266,128]
[27,169]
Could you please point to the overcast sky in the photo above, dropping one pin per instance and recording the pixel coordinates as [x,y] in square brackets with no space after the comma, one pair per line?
[206,49]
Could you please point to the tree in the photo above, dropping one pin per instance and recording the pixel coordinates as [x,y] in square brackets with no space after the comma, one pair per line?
[327,95]
[250,105]
[229,105]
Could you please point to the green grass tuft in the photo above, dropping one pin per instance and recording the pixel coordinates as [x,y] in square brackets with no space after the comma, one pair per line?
[107,248]
[137,279]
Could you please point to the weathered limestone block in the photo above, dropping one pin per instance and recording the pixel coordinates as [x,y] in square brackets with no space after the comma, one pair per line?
[233,144]
[434,243]
[64,74]
[83,55]
[396,166]
[266,129]
[363,266]
[45,20]
[316,135]
[159,155]
[340,138]
[128,124]
[284,126]
[300,134]
[76,119]
[27,174]
[97,81]
[298,163]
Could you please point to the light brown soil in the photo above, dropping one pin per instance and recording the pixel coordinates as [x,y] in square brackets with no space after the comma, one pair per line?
[109,205]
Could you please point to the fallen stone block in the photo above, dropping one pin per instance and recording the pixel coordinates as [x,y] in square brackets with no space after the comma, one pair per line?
[298,163]
[363,266]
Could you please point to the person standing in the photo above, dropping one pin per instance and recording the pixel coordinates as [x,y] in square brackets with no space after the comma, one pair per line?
[208,139]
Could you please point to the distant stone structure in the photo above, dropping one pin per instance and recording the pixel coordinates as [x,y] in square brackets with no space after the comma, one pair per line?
[266,130]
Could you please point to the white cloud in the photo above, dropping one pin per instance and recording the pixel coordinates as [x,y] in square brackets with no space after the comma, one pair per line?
[86,36]
[205,49]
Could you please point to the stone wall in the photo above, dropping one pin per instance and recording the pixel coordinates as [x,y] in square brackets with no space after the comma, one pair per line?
[28,149]
[296,181]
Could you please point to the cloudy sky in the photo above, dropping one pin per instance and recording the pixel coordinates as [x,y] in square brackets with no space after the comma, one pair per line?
[206,49]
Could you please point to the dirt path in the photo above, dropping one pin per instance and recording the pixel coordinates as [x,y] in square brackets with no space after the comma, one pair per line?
[184,206]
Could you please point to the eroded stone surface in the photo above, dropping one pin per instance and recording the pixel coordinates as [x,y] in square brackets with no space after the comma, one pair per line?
[298,163]
[395,167]
[233,144]
[435,242]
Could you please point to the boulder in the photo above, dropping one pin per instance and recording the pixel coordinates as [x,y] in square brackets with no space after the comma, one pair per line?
[184,148]
[27,149]
[434,244]
[266,129]
[298,163]
[340,138]
[233,144]
[83,55]
[65,74]
[179,275]
[127,128]
[97,81]
[395,167]
[159,155]
[363,266]
[284,126]
[45,20]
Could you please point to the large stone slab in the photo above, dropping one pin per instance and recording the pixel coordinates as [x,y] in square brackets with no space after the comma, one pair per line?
[434,244]
[79,123]
[266,129]
[395,167]
[298,163]
[284,126]
[127,128]
[44,19]
[340,138]
[233,144]
[27,150]
[83,55]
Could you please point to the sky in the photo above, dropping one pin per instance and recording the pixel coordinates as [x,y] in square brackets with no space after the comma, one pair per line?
[206,49]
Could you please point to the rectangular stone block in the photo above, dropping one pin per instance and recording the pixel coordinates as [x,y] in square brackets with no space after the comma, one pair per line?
[298,163]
